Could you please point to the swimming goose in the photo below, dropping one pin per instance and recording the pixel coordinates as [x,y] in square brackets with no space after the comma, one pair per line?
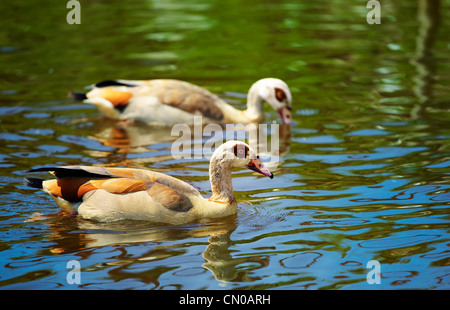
[168,102]
[112,194]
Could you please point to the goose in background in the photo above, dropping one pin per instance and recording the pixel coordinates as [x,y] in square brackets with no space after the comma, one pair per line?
[166,102]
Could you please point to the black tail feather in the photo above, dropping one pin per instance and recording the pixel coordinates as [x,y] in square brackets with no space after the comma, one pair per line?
[113,83]
[78,96]
[33,182]
[72,172]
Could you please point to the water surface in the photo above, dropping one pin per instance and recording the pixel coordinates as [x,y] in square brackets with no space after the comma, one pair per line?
[364,169]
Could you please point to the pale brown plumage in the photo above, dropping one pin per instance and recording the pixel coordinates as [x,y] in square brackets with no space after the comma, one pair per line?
[169,102]
[111,194]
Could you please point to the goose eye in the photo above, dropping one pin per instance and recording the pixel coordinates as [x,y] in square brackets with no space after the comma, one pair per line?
[240,151]
[280,94]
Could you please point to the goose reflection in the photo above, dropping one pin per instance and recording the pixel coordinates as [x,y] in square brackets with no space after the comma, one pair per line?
[134,145]
[221,263]
[429,21]
[85,238]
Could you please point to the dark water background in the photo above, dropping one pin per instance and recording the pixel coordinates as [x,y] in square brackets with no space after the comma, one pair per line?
[364,173]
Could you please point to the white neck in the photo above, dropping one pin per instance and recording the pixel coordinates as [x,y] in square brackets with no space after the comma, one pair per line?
[220,177]
[254,104]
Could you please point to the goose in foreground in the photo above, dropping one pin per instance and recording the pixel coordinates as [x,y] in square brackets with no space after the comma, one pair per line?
[168,102]
[112,194]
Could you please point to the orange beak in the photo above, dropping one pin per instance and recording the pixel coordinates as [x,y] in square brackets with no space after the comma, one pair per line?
[256,164]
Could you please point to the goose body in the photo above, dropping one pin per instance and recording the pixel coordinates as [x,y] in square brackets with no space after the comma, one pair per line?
[112,194]
[168,102]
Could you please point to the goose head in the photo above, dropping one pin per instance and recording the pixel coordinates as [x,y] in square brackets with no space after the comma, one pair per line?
[237,154]
[273,91]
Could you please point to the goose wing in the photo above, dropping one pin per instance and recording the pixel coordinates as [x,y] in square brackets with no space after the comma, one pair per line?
[179,94]
[73,182]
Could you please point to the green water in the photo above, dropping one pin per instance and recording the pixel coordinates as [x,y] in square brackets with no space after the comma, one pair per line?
[364,169]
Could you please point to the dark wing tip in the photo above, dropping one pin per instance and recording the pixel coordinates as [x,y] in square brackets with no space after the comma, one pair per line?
[78,96]
[108,83]
[73,172]
[33,182]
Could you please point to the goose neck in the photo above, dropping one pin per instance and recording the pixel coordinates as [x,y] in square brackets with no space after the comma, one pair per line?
[221,185]
[254,104]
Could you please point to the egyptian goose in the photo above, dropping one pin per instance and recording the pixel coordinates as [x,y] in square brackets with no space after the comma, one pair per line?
[169,102]
[112,194]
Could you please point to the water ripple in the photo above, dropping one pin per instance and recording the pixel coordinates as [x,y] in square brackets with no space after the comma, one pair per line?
[388,243]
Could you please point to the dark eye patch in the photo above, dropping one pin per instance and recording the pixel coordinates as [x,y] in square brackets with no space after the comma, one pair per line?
[241,151]
[280,94]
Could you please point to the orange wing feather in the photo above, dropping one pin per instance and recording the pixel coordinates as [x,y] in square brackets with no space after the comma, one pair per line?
[122,186]
[119,99]
[68,188]
[127,181]
[73,189]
